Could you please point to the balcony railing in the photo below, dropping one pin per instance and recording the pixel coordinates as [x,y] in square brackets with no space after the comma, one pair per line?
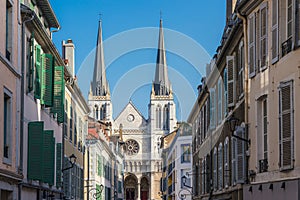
[286,46]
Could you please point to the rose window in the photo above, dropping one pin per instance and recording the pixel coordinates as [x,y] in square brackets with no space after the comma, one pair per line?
[132,147]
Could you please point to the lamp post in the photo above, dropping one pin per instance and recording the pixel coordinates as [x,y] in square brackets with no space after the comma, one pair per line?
[233,124]
[72,160]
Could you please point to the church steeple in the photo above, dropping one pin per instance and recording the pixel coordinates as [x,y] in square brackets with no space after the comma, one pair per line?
[161,82]
[99,85]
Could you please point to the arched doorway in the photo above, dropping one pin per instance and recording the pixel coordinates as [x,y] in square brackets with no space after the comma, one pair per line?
[130,186]
[144,189]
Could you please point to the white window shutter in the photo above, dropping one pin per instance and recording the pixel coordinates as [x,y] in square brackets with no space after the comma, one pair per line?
[215,164]
[286,117]
[212,108]
[233,161]
[240,157]
[231,86]
[251,46]
[226,164]
[275,43]
[225,93]
[263,36]
[219,99]
[220,165]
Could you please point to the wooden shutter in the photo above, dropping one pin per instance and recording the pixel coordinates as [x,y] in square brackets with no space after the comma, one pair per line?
[215,165]
[286,125]
[58,164]
[58,93]
[38,72]
[48,157]
[219,99]
[66,178]
[225,98]
[233,161]
[35,147]
[220,165]
[240,156]
[231,87]
[30,63]
[275,31]
[252,45]
[263,36]
[47,80]
[226,164]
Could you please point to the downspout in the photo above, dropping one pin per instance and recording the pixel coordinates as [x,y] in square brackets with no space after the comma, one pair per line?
[22,91]
[246,88]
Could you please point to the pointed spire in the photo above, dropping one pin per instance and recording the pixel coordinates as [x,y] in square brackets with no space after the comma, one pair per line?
[161,81]
[99,85]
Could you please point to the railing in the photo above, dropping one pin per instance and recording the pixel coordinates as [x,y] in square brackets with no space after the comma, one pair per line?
[286,46]
[263,165]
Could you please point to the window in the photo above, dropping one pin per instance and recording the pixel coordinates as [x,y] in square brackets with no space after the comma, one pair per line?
[240,68]
[158,117]
[99,166]
[262,134]
[289,18]
[215,169]
[240,156]
[231,83]
[220,165]
[71,124]
[233,160]
[30,63]
[96,112]
[286,125]
[220,94]
[274,31]
[8,32]
[75,128]
[185,153]
[226,163]
[212,108]
[7,116]
[263,36]
[225,105]
[103,112]
[66,119]
[252,45]
[166,118]
[203,173]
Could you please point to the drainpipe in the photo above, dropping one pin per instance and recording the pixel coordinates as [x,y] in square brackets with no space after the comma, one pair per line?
[28,11]
[246,87]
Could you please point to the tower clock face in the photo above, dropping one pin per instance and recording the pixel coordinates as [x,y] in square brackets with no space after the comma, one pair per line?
[130,118]
[132,147]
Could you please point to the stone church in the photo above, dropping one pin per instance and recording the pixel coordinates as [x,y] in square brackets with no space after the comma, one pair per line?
[141,135]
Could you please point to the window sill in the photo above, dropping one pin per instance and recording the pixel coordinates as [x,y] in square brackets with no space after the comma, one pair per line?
[7,161]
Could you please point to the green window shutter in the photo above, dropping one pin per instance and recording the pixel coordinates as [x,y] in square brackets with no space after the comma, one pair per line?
[30,63]
[35,146]
[59,93]
[38,72]
[47,80]
[48,157]
[58,164]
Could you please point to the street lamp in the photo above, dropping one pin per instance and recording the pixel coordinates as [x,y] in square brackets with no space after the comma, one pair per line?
[72,160]
[182,193]
[233,124]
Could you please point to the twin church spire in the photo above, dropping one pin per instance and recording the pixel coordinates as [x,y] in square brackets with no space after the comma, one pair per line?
[161,85]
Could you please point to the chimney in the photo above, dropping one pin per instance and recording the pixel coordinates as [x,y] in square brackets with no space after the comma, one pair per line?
[228,10]
[68,54]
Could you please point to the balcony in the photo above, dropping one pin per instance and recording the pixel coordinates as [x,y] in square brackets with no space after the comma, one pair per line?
[286,46]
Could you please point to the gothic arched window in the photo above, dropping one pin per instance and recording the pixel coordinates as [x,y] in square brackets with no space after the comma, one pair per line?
[158,116]
[166,118]
[96,112]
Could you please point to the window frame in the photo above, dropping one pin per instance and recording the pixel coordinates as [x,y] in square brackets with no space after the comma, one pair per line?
[7,138]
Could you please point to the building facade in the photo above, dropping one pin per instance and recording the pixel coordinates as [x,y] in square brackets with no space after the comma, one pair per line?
[10,82]
[75,128]
[176,181]
[272,29]
[42,101]
[219,150]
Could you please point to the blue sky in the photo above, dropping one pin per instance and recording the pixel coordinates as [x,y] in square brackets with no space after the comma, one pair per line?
[186,23]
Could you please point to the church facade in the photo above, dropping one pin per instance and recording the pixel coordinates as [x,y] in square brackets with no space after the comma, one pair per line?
[141,136]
